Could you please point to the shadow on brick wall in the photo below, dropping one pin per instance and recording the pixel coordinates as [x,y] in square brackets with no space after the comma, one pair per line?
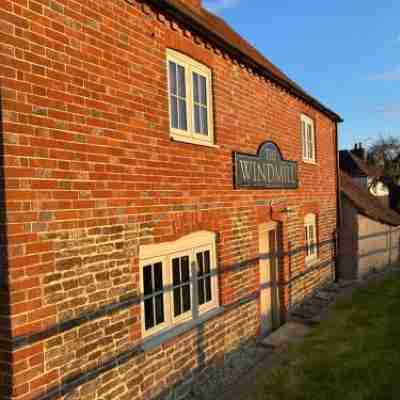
[207,382]
[5,321]
[197,360]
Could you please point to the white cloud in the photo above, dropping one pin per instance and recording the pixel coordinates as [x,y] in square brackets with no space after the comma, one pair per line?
[219,5]
[393,75]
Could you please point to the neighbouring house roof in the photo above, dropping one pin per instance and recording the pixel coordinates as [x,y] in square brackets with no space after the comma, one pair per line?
[217,30]
[355,166]
[366,203]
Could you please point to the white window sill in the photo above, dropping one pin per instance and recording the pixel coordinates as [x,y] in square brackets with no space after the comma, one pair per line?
[312,162]
[192,140]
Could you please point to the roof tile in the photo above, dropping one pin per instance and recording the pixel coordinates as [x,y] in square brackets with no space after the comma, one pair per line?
[218,27]
[366,203]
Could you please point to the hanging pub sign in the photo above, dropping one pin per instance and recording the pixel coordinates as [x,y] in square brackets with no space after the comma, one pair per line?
[265,170]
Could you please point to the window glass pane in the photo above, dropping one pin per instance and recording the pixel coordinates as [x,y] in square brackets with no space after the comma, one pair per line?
[204,121]
[186,298]
[207,267]
[200,265]
[159,309]
[148,313]
[196,95]
[309,135]
[181,82]
[306,239]
[185,269]
[312,239]
[147,280]
[174,112]
[312,144]
[172,78]
[177,302]
[204,282]
[176,277]
[203,90]
[197,127]
[311,233]
[208,289]
[182,114]
[158,280]
[200,288]
[304,138]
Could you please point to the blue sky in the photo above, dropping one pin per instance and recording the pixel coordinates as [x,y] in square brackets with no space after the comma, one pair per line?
[346,53]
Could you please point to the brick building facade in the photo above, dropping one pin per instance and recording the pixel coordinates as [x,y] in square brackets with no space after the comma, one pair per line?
[131,260]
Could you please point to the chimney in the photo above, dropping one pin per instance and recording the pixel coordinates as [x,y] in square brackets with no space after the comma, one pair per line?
[359,151]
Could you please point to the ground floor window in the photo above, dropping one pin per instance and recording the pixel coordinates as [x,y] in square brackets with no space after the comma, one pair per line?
[310,232]
[178,281]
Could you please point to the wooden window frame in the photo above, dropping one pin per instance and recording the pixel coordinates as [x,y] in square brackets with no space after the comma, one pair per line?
[187,315]
[165,252]
[308,122]
[144,263]
[191,66]
[310,221]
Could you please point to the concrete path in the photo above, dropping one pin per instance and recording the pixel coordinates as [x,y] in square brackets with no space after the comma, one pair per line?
[291,332]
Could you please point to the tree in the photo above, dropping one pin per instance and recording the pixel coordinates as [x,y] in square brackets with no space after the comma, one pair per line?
[384,154]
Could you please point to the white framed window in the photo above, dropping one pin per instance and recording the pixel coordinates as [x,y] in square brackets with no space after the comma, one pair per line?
[178,281]
[308,138]
[311,242]
[190,99]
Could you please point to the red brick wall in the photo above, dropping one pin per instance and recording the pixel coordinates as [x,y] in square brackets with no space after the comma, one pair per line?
[91,174]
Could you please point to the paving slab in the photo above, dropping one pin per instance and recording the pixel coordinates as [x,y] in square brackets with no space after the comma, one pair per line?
[291,332]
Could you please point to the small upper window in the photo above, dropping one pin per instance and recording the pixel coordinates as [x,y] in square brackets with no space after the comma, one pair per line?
[308,138]
[190,99]
[179,281]
[311,243]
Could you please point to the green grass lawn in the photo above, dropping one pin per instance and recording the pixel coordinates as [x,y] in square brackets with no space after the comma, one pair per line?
[354,355]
